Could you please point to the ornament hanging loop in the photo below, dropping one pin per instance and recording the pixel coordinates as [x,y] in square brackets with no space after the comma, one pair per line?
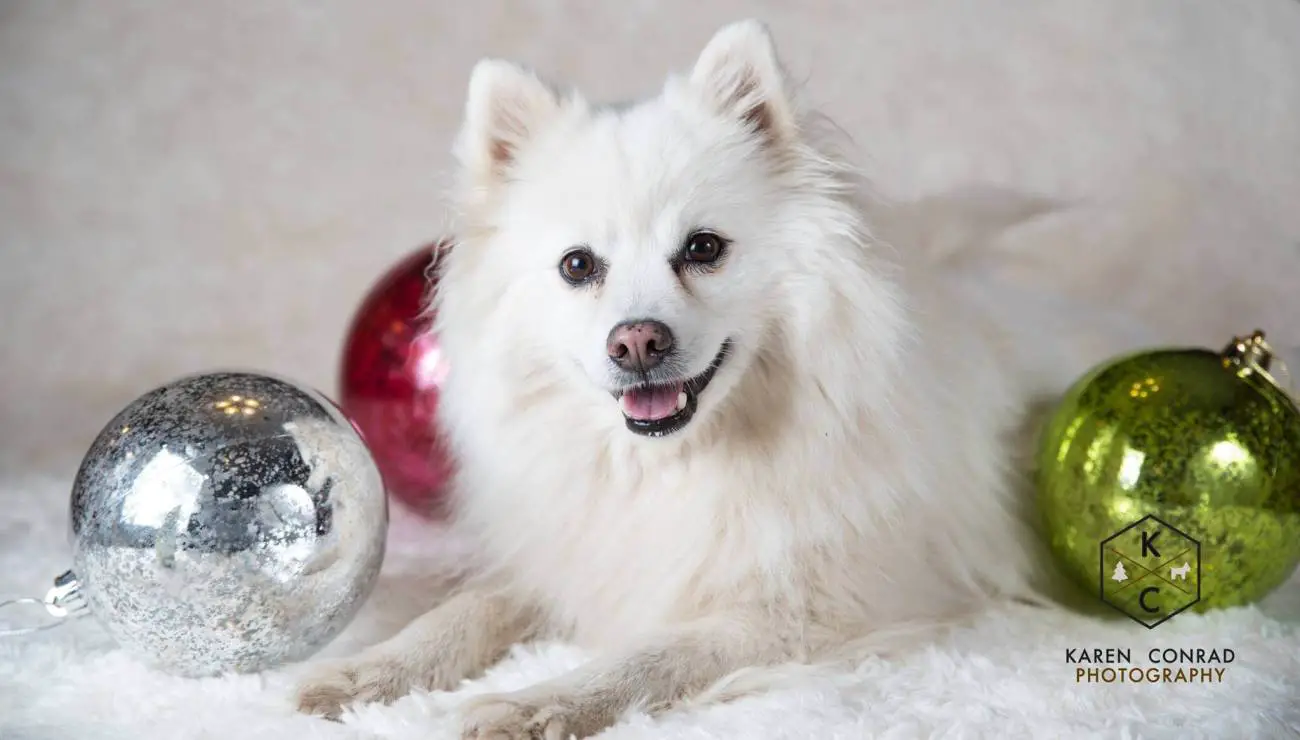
[63,601]
[1252,355]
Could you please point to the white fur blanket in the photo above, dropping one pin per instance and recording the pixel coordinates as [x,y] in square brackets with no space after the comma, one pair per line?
[1006,676]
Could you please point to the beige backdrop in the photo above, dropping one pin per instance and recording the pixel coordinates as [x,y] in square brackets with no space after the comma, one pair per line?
[190,185]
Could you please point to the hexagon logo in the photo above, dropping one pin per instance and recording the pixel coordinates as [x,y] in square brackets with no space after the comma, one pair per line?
[1150,571]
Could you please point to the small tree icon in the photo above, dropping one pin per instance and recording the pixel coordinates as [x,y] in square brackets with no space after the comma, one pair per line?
[1119,574]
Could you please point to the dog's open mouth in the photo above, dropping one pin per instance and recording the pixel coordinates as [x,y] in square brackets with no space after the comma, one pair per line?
[663,408]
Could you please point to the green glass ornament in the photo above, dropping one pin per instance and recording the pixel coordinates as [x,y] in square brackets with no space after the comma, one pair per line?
[1206,442]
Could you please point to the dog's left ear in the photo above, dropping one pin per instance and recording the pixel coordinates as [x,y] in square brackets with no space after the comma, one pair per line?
[506,106]
[740,75]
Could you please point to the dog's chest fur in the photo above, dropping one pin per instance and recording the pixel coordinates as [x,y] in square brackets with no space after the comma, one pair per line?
[630,548]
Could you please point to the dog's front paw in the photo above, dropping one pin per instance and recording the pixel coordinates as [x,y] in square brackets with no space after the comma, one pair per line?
[335,685]
[523,716]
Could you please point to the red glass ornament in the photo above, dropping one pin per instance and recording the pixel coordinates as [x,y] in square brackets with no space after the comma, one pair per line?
[390,380]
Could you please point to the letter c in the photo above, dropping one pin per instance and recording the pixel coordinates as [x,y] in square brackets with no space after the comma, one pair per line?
[1142,599]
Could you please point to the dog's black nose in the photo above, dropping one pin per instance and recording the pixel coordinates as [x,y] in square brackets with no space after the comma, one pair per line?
[637,346]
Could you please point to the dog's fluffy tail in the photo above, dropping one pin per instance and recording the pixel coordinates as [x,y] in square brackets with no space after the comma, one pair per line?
[958,227]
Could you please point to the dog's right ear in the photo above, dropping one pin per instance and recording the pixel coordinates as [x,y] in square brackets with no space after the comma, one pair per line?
[505,107]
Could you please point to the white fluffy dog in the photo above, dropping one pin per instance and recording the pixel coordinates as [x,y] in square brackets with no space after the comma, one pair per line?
[705,421]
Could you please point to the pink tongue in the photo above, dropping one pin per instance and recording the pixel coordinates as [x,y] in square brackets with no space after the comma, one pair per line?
[651,404]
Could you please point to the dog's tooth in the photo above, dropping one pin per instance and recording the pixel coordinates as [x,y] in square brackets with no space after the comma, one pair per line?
[681,400]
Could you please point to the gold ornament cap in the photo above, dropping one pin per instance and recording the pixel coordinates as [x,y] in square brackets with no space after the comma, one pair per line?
[1252,355]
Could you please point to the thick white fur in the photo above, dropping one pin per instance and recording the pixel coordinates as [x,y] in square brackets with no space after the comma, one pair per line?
[855,466]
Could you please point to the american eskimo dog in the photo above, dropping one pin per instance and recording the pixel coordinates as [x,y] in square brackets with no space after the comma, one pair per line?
[707,423]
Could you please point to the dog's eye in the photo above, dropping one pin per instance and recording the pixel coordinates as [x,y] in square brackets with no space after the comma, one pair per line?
[703,247]
[577,266]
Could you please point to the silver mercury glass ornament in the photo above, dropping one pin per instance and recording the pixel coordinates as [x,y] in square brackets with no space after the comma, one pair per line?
[224,522]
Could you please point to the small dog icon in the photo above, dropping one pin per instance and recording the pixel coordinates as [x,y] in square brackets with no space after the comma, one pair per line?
[1180,572]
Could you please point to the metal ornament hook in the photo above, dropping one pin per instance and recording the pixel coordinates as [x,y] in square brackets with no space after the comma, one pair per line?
[63,602]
